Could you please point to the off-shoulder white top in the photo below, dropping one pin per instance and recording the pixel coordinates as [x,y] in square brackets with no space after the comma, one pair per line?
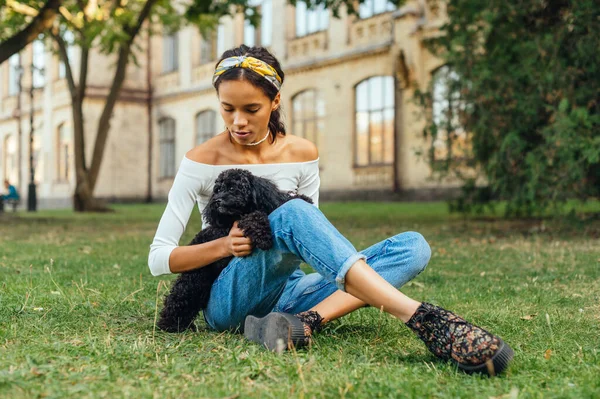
[194,183]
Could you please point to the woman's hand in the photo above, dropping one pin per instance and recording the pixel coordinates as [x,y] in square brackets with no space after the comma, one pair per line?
[236,243]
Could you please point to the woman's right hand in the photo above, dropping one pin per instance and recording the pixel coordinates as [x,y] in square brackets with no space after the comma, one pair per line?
[236,243]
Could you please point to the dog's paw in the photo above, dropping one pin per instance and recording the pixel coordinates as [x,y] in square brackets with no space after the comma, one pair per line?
[257,228]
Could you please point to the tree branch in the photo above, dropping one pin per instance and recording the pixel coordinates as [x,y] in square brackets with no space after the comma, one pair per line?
[64,56]
[40,23]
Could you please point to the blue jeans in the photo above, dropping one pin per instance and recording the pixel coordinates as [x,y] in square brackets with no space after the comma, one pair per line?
[268,281]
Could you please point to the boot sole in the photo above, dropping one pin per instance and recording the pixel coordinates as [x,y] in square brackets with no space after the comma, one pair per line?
[494,366]
[276,331]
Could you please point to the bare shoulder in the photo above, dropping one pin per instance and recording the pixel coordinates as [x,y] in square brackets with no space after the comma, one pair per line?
[301,149]
[207,152]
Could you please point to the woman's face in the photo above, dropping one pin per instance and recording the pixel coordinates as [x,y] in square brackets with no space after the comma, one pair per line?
[246,110]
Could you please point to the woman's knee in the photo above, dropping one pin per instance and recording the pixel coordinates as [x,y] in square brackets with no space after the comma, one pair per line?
[296,205]
[416,248]
[292,212]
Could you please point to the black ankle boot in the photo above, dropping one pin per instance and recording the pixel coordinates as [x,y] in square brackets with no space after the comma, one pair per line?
[280,331]
[450,337]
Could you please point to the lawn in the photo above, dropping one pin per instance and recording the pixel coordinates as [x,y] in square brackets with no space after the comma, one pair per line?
[78,304]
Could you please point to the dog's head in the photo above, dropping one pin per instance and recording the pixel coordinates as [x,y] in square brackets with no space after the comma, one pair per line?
[238,192]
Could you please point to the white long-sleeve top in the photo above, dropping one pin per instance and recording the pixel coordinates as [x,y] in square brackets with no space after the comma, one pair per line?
[193,185]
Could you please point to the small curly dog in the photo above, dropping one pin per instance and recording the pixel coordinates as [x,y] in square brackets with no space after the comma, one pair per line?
[240,196]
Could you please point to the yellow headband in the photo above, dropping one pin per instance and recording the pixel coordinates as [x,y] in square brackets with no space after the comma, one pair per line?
[254,64]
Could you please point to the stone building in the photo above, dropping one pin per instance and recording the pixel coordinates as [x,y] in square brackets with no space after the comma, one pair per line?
[349,88]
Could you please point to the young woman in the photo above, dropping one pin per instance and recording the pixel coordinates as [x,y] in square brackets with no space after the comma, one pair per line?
[264,293]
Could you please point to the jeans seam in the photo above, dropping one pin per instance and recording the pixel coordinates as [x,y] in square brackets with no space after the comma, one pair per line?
[314,288]
[386,245]
[313,256]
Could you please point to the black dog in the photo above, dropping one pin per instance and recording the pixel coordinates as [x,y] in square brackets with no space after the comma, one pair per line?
[240,196]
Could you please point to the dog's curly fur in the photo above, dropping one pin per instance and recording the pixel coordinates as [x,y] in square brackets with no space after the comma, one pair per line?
[240,196]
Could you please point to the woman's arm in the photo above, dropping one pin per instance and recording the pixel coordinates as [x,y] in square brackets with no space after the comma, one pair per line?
[182,199]
[192,257]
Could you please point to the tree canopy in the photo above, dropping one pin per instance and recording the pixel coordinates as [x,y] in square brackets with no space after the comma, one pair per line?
[524,90]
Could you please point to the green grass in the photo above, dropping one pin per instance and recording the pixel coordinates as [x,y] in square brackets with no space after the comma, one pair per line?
[77,309]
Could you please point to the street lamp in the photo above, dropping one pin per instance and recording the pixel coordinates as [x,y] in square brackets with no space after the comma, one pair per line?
[31,192]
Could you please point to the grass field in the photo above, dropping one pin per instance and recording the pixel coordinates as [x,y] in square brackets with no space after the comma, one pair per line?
[77,310]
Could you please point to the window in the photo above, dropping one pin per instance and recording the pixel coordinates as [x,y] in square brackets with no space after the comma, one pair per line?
[308,114]
[448,132]
[220,40]
[65,154]
[167,148]
[374,7]
[11,169]
[69,40]
[205,125]
[39,61]
[208,48]
[264,35]
[310,21]
[170,52]
[250,38]
[374,138]
[14,70]
[266,23]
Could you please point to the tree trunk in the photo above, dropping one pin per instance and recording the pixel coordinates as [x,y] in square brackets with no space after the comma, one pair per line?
[83,199]
[40,23]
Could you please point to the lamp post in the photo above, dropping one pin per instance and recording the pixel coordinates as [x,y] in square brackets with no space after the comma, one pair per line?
[31,191]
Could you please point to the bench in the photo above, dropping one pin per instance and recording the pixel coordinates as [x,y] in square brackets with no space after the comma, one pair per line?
[10,202]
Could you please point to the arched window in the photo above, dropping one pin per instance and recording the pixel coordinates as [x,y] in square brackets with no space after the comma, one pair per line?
[308,114]
[65,153]
[170,52]
[446,107]
[374,121]
[11,169]
[167,147]
[205,125]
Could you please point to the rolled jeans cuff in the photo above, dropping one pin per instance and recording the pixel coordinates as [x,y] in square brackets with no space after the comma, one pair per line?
[340,279]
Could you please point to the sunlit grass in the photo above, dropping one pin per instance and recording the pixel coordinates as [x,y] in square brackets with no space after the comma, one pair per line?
[77,309]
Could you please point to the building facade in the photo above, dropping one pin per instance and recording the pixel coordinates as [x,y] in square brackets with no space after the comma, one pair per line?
[349,86]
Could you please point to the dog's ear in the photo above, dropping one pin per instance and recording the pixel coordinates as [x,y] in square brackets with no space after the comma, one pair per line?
[210,212]
[268,197]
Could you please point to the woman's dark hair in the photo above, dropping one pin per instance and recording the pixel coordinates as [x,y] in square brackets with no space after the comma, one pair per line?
[261,53]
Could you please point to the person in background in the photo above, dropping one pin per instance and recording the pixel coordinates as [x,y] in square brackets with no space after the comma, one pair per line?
[13,194]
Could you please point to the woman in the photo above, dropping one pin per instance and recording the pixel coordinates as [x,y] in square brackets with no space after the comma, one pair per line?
[264,293]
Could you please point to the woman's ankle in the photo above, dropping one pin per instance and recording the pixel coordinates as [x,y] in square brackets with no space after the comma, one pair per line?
[312,321]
